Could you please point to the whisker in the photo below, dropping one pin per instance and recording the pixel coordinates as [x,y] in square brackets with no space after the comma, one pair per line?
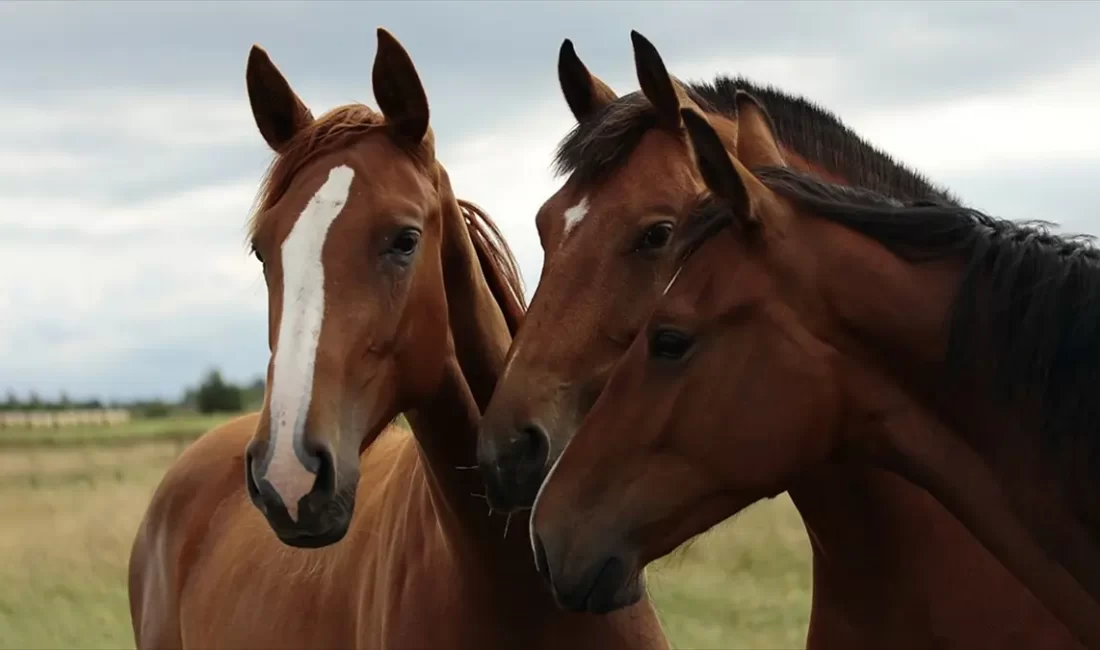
[465,467]
[507,522]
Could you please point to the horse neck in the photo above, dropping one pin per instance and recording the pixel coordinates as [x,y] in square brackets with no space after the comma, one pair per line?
[445,426]
[889,328]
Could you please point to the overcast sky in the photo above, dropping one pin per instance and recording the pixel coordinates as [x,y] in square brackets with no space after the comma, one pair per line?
[129,158]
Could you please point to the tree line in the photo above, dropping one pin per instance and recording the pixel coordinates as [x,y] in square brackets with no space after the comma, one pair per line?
[211,394]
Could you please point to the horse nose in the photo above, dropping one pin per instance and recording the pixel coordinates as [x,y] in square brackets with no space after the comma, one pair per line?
[305,515]
[514,470]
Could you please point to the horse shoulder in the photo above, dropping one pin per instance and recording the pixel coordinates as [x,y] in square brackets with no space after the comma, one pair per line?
[174,526]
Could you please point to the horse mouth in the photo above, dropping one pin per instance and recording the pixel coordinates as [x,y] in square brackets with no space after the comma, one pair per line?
[612,586]
[322,521]
[312,539]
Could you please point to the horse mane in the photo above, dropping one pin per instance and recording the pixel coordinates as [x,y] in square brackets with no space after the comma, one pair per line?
[340,128]
[498,264]
[601,144]
[1025,322]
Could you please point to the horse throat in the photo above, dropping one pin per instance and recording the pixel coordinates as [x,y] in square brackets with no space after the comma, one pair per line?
[446,426]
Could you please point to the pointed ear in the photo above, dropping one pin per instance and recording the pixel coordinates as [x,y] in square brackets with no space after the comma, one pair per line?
[584,92]
[398,90]
[278,112]
[716,167]
[657,84]
[757,143]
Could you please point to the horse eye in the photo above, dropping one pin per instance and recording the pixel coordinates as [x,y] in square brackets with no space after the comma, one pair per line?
[656,236]
[405,242]
[670,344]
[256,253]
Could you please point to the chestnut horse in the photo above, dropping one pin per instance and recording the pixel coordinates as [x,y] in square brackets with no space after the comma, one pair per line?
[386,295]
[887,558]
[816,322]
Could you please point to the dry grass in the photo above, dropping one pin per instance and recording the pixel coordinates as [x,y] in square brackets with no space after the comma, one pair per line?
[185,427]
[71,514]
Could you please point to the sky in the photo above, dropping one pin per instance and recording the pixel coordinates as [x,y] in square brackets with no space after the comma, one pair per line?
[129,158]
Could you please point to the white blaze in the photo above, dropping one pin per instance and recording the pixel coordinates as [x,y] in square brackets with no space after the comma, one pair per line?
[574,215]
[299,332]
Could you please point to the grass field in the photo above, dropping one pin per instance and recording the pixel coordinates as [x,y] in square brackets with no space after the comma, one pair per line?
[182,427]
[70,513]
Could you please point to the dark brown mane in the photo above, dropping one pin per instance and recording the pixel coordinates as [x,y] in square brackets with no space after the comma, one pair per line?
[1025,323]
[497,264]
[336,129]
[603,143]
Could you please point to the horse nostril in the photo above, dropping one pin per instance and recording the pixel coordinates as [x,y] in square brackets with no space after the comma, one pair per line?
[325,483]
[250,473]
[532,448]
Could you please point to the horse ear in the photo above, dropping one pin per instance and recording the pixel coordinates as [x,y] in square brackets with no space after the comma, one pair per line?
[584,92]
[715,165]
[657,84]
[278,112]
[757,144]
[398,90]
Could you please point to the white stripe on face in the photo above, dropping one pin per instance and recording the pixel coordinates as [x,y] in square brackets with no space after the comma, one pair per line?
[299,333]
[574,215]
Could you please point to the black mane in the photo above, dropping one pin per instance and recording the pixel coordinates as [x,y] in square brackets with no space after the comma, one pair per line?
[601,144]
[1027,311]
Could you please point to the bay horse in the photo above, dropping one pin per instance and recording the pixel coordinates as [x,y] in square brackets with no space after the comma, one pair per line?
[386,294]
[809,322]
[887,557]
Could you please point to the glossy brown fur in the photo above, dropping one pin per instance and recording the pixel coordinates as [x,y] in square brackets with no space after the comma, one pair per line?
[421,564]
[892,568]
[811,332]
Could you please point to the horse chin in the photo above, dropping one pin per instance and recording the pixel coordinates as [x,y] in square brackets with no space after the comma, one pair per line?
[312,540]
[321,525]
[605,587]
[609,595]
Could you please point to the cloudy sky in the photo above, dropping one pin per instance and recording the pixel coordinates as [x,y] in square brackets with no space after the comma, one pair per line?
[129,158]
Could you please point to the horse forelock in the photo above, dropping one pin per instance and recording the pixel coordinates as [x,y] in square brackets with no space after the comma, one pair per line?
[337,129]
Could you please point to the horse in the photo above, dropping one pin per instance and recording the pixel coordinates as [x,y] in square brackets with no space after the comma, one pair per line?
[386,294]
[810,322]
[886,556]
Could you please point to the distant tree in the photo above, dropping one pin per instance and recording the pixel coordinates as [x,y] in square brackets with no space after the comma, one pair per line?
[152,409]
[11,403]
[215,395]
[64,402]
[252,396]
[33,402]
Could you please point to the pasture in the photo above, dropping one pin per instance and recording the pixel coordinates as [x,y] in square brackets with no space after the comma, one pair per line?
[78,497]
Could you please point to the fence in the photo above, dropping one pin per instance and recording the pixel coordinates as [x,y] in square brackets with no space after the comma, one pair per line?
[64,418]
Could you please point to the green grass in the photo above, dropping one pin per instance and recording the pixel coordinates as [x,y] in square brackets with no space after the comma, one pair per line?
[70,514]
[139,429]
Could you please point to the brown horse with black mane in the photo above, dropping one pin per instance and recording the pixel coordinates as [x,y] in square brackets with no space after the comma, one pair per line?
[386,295]
[891,567]
[811,322]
